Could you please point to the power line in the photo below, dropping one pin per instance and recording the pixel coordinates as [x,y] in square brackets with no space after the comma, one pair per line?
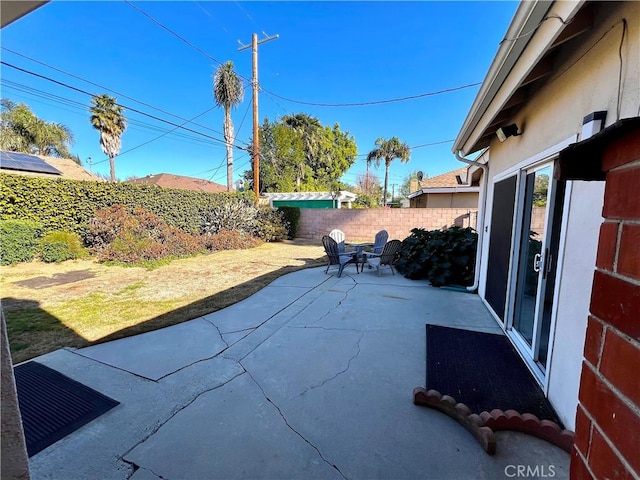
[376,102]
[81,107]
[104,88]
[123,106]
[182,39]
[301,102]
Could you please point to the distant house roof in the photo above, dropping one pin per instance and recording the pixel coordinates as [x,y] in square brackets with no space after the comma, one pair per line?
[170,180]
[455,181]
[343,196]
[43,166]
[447,179]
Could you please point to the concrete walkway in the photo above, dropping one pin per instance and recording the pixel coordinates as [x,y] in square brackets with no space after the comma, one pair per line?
[311,377]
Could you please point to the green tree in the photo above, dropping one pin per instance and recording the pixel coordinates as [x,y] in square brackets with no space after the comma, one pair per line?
[299,154]
[228,93]
[388,150]
[22,131]
[310,131]
[108,118]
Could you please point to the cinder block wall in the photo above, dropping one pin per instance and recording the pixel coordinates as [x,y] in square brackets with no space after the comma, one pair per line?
[607,443]
[363,224]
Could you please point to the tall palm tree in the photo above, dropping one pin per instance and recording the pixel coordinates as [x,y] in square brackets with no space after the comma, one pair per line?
[228,93]
[388,150]
[108,118]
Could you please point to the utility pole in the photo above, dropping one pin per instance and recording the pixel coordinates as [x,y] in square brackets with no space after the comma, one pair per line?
[254,82]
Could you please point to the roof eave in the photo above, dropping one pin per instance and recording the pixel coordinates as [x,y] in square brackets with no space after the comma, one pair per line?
[501,82]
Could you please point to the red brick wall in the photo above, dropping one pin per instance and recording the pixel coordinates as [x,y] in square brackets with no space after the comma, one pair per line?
[363,224]
[608,417]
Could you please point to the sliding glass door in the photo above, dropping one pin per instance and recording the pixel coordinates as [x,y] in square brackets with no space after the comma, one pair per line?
[536,262]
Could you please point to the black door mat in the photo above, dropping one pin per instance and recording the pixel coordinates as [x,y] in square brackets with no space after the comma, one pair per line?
[53,405]
[483,371]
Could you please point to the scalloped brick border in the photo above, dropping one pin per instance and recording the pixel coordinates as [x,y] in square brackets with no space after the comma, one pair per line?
[460,413]
[484,426]
[528,423]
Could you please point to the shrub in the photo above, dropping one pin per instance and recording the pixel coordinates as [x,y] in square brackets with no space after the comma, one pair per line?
[19,241]
[271,225]
[292,217]
[444,257]
[60,246]
[63,204]
[231,215]
[239,215]
[137,236]
[230,240]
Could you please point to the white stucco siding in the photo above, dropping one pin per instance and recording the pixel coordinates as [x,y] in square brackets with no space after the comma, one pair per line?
[585,80]
[573,297]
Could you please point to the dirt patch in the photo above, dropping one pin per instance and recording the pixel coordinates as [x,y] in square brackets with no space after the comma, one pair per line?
[57,279]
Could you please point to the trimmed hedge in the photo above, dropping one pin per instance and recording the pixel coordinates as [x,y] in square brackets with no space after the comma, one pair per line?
[292,216]
[19,241]
[61,204]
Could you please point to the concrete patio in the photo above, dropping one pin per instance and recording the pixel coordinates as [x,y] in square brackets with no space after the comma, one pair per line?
[311,377]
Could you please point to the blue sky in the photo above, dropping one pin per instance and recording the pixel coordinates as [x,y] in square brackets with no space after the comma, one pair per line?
[326,53]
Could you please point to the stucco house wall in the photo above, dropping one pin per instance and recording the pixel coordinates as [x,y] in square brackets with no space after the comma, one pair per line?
[554,118]
[446,200]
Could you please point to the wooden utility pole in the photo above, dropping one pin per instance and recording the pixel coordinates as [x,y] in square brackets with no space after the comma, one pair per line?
[254,82]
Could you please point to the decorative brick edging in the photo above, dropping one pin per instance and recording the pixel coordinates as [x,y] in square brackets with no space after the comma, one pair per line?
[528,423]
[460,413]
[484,426]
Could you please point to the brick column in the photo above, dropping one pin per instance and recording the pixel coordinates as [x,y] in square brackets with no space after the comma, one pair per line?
[607,443]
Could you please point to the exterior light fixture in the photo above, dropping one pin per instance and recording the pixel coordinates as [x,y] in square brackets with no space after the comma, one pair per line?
[508,131]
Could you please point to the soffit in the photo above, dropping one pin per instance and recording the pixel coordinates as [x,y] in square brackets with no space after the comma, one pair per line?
[523,70]
[10,11]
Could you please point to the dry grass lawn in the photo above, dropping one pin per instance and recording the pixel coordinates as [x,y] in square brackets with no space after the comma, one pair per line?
[81,302]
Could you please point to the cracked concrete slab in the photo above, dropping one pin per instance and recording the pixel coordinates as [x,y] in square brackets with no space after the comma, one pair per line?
[156,354]
[144,474]
[234,337]
[321,388]
[252,312]
[96,449]
[249,440]
[297,360]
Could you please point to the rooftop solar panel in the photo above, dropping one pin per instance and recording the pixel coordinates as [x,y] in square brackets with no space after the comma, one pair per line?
[26,163]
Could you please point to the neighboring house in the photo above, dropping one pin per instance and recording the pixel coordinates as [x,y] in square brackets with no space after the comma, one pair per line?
[565,71]
[42,166]
[169,180]
[339,199]
[456,189]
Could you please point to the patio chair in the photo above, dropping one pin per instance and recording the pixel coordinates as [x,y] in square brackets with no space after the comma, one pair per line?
[386,258]
[337,258]
[380,240]
[338,236]
[379,243]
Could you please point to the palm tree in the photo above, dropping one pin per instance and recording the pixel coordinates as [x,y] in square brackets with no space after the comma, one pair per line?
[228,93]
[107,117]
[22,131]
[388,150]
